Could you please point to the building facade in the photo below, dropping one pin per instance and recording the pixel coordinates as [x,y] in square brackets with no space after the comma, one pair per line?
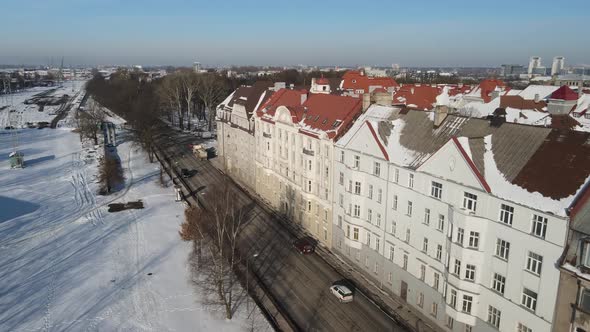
[443,216]
[294,136]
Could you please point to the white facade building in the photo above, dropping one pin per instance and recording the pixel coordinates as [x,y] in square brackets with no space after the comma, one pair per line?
[294,154]
[534,63]
[557,66]
[457,219]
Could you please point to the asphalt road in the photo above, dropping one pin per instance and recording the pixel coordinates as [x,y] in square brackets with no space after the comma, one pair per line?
[300,283]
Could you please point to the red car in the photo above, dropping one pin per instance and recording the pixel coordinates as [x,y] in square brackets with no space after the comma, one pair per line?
[304,245]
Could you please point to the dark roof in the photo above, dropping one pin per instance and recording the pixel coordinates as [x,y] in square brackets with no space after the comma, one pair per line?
[520,103]
[249,96]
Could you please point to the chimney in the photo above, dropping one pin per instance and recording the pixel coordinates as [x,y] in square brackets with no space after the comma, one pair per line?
[303,98]
[291,86]
[460,85]
[312,82]
[440,114]
[537,98]
[412,90]
[366,101]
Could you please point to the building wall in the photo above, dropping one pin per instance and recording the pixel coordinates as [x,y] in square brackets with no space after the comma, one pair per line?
[286,162]
[392,233]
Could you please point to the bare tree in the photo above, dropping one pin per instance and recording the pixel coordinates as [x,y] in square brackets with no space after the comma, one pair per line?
[215,232]
[190,84]
[171,94]
[110,173]
[90,120]
[211,91]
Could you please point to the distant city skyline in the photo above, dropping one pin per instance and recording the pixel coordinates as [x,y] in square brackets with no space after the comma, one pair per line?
[179,32]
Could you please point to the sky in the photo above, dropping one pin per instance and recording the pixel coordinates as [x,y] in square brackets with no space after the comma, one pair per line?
[280,32]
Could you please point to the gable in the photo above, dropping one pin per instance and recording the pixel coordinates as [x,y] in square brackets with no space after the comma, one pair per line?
[365,140]
[453,162]
[283,115]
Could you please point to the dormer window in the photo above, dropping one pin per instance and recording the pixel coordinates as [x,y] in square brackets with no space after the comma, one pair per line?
[585,258]
[353,81]
[336,123]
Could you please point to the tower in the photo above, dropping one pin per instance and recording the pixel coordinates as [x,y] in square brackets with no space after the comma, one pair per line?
[557,66]
[534,63]
[197,67]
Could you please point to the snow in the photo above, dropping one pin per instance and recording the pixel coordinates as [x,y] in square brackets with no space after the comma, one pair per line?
[68,264]
[24,113]
[464,141]
[500,187]
[527,116]
[398,154]
[443,98]
[576,271]
[374,113]
[543,91]
[478,109]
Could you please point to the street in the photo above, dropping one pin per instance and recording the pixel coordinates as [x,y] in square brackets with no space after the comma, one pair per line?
[300,283]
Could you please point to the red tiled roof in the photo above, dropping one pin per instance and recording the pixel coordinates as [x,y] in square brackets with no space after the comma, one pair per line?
[455,89]
[488,86]
[322,81]
[564,93]
[355,80]
[283,97]
[321,111]
[423,96]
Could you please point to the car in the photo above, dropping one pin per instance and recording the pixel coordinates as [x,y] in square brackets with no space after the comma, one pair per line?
[304,246]
[342,293]
[185,173]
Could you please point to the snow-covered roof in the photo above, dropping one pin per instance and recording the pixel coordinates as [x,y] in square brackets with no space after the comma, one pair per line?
[544,91]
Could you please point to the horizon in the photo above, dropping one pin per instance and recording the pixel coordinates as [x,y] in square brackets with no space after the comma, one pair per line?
[430,34]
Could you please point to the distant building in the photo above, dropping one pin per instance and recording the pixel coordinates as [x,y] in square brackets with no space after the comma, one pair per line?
[534,63]
[197,67]
[557,66]
[356,82]
[511,70]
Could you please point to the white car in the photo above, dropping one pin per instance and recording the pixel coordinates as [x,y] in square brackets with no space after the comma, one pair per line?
[343,293]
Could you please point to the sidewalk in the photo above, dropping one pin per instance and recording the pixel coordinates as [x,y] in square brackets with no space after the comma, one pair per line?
[392,304]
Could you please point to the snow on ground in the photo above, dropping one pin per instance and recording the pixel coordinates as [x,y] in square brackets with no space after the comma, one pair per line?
[24,113]
[69,265]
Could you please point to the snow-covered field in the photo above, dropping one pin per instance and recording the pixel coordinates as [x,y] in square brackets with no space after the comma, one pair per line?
[24,113]
[67,264]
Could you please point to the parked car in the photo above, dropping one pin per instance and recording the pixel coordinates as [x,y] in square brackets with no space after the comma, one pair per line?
[185,173]
[342,293]
[304,245]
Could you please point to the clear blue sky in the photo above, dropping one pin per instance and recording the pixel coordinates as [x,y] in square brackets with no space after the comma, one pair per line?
[278,32]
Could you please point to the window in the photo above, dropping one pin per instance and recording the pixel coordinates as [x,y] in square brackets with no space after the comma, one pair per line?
[349,186]
[308,206]
[460,234]
[390,277]
[376,268]
[453,299]
[309,185]
[341,156]
[357,210]
[468,328]
[441,222]
[470,272]
[368,239]
[348,231]
[377,243]
[309,165]
[339,221]
[469,201]
[405,262]
[377,169]
[391,253]
[534,263]
[409,211]
[585,258]
[355,234]
[506,214]
[436,280]
[379,195]
[357,161]
[408,235]
[357,188]
[393,227]
[396,175]
[378,220]
[434,309]
[411,180]
[450,322]
[467,302]
[425,245]
[457,269]
[370,191]
[473,240]
[498,283]
[341,178]
[502,249]
[420,300]
[436,190]
[340,200]
[394,202]
[585,300]
[369,215]
[529,299]
[523,328]
[539,226]
[427,216]
[438,252]
[494,316]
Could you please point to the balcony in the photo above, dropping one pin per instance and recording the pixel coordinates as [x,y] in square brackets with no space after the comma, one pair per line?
[267,135]
[308,152]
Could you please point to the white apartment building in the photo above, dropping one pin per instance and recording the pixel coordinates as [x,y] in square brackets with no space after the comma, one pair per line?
[294,136]
[235,129]
[464,220]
